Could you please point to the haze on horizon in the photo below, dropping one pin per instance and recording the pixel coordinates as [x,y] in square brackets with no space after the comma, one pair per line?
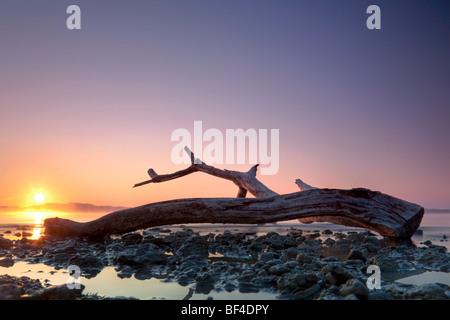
[84,114]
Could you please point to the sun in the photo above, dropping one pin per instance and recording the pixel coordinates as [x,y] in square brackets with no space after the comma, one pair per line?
[39,197]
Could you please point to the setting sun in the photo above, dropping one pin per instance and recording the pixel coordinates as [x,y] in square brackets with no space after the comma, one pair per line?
[39,197]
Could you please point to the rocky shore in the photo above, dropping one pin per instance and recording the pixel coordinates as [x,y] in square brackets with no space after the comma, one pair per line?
[295,265]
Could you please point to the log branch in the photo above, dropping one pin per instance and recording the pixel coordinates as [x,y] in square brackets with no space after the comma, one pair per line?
[244,180]
[389,216]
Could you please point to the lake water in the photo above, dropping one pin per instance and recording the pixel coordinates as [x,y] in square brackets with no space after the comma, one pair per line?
[434,227]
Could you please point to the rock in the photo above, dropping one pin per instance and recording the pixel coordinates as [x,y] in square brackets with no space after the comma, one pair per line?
[149,253]
[205,283]
[305,258]
[66,247]
[342,244]
[90,265]
[386,264]
[405,266]
[279,270]
[246,276]
[10,292]
[7,262]
[125,272]
[229,287]
[194,245]
[289,254]
[267,256]
[248,287]
[327,232]
[184,280]
[5,243]
[428,291]
[61,292]
[257,246]
[356,254]
[144,254]
[434,256]
[296,282]
[132,238]
[336,274]
[356,287]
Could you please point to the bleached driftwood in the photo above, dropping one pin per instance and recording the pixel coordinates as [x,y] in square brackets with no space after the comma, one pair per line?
[387,215]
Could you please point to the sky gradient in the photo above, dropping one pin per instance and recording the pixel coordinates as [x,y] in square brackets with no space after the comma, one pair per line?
[85,113]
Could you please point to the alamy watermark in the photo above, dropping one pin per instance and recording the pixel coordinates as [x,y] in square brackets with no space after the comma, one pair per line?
[374,280]
[234,146]
[74,281]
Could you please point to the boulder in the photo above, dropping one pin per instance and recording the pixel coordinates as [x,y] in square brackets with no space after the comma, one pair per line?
[356,287]
[428,291]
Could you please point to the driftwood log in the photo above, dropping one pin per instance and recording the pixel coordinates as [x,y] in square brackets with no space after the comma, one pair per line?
[389,216]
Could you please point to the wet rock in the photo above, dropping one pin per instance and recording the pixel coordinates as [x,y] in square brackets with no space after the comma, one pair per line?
[279,270]
[386,263]
[246,276]
[434,257]
[336,274]
[356,254]
[342,244]
[227,237]
[296,233]
[405,266]
[257,246]
[194,245]
[6,262]
[61,292]
[229,287]
[304,258]
[5,243]
[90,265]
[267,256]
[428,291]
[289,254]
[340,235]
[265,281]
[10,292]
[184,280]
[141,255]
[327,232]
[149,253]
[299,285]
[234,252]
[132,238]
[205,283]
[329,242]
[248,287]
[356,287]
[125,272]
[65,247]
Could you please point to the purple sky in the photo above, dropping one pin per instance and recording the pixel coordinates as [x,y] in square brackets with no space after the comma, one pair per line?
[84,114]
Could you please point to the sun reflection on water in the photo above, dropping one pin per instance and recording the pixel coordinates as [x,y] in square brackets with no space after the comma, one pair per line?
[37,232]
